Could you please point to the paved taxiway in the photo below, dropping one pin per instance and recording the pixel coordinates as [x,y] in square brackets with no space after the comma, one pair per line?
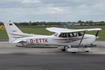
[7,48]
[21,58]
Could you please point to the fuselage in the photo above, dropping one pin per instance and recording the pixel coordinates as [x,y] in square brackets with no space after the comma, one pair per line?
[53,40]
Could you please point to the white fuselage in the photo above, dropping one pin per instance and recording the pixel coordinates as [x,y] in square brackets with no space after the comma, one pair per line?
[53,40]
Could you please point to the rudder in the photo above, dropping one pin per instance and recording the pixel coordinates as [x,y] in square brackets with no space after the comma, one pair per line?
[12,31]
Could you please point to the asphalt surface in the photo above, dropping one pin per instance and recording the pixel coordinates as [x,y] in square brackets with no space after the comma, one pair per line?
[21,58]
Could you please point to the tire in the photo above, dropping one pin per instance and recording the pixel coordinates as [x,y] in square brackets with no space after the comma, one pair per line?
[63,50]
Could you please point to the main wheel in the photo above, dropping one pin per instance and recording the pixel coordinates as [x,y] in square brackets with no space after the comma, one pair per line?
[86,51]
[63,50]
[73,52]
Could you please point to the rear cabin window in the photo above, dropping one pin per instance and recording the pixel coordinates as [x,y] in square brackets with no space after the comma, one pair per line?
[63,35]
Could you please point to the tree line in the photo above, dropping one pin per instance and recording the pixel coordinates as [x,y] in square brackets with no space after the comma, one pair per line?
[86,23]
[91,23]
[38,23]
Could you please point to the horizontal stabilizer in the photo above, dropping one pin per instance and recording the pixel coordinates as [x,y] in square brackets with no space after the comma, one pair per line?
[19,41]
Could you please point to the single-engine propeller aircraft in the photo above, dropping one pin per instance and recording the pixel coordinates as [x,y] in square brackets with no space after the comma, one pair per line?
[64,38]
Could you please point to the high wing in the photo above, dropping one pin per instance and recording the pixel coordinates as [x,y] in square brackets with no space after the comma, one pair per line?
[56,29]
[59,30]
[92,29]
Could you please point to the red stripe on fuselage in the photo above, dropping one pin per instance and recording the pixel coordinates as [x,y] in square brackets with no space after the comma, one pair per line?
[18,34]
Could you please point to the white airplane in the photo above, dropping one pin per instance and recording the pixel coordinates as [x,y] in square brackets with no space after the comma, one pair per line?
[64,38]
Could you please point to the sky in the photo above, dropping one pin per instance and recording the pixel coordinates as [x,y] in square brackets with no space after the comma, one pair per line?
[52,10]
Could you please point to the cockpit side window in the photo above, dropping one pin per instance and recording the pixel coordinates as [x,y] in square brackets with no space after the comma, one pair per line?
[74,34]
[68,35]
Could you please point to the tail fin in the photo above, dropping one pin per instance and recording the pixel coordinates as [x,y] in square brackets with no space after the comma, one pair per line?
[13,31]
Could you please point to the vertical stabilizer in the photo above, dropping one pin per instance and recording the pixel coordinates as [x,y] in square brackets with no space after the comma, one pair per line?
[12,31]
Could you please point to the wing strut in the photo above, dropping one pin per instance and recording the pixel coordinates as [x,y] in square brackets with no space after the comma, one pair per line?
[82,37]
[97,33]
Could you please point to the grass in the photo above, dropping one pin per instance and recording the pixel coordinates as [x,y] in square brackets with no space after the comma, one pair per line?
[42,30]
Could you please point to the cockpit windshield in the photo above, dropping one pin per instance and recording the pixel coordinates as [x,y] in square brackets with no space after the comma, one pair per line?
[80,33]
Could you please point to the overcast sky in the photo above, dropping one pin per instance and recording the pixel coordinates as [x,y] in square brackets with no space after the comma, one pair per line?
[52,10]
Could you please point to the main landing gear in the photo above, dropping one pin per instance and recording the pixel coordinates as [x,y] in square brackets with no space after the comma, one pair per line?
[73,50]
[68,49]
[63,48]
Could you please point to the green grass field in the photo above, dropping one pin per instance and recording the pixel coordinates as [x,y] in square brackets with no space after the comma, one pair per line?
[42,30]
